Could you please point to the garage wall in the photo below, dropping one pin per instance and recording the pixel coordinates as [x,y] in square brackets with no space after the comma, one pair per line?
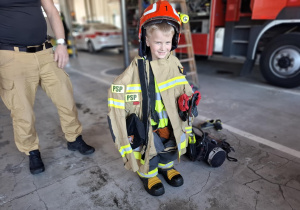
[79,9]
[107,11]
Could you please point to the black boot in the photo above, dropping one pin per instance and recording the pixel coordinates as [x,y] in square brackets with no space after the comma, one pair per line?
[36,164]
[153,186]
[172,177]
[81,146]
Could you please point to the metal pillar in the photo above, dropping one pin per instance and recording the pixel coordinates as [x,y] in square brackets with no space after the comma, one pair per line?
[87,13]
[66,10]
[124,33]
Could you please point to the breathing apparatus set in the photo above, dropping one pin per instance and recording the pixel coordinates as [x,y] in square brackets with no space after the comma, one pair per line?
[205,148]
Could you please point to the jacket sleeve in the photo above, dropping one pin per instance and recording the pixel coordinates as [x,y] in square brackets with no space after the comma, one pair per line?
[117,123]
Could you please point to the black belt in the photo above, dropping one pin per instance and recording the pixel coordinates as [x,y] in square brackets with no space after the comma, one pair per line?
[27,49]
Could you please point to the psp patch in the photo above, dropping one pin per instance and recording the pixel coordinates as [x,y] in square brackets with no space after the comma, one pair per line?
[132,97]
[117,88]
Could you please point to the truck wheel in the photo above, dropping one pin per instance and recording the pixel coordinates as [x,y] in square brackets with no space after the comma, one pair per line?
[280,61]
[91,48]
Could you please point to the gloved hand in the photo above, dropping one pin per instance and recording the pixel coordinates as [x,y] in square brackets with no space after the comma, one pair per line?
[195,99]
[183,106]
[199,97]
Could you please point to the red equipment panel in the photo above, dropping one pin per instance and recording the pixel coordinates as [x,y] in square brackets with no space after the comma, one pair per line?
[293,3]
[268,10]
[233,10]
[199,44]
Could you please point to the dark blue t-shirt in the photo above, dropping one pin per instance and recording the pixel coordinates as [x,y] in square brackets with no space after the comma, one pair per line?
[22,23]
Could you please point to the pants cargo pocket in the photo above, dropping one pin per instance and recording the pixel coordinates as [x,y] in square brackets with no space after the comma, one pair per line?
[9,95]
[6,57]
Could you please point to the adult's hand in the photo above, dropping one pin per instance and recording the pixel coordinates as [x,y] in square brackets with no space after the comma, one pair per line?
[61,56]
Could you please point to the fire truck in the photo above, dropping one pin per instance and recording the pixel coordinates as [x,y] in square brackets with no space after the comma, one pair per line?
[268,29]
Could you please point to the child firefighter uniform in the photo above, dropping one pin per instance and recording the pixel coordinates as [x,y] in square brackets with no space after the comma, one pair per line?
[143,103]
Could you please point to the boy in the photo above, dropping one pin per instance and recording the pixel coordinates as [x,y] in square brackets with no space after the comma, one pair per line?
[149,89]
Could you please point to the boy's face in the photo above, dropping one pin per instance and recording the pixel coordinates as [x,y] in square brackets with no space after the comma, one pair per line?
[160,44]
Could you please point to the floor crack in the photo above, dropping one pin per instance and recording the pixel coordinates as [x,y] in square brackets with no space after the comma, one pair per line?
[201,187]
[36,190]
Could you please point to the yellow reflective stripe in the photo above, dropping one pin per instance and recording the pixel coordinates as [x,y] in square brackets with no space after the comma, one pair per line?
[192,139]
[164,166]
[138,156]
[125,150]
[172,83]
[188,129]
[150,174]
[133,88]
[183,145]
[160,109]
[116,103]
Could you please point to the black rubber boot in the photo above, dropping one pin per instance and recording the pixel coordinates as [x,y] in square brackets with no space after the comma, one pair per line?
[36,164]
[153,186]
[171,176]
[81,146]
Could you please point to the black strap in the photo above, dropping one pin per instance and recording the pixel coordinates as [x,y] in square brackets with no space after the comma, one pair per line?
[152,94]
[143,81]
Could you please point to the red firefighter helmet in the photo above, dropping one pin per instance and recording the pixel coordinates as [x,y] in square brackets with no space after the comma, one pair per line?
[158,12]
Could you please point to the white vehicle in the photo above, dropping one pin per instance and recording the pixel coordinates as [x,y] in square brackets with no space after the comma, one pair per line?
[96,36]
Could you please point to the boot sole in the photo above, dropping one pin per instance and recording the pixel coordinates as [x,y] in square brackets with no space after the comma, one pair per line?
[158,192]
[37,171]
[176,184]
[86,153]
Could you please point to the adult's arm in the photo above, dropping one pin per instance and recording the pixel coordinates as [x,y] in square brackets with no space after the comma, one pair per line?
[61,53]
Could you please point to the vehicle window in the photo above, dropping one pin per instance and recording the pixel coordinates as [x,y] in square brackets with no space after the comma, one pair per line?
[86,28]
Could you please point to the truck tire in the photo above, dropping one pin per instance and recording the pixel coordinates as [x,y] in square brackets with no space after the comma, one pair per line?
[280,61]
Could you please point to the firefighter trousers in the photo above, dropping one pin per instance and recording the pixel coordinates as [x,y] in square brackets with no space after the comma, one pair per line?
[166,153]
[20,75]
[163,157]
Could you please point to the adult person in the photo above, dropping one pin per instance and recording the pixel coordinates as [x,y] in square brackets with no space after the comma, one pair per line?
[28,60]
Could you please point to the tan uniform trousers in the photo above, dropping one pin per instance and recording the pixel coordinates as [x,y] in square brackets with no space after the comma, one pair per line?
[20,75]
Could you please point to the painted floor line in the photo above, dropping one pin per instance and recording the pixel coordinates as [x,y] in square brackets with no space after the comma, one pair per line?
[91,77]
[258,139]
[271,88]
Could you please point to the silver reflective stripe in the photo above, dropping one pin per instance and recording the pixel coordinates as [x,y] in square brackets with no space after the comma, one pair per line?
[169,165]
[131,89]
[182,139]
[116,103]
[171,83]
[188,129]
[148,175]
[162,115]
[158,96]
[125,150]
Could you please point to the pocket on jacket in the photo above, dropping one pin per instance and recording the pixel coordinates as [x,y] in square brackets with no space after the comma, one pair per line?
[9,94]
[133,103]
[6,56]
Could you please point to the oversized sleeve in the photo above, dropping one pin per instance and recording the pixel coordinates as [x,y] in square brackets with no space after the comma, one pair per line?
[117,121]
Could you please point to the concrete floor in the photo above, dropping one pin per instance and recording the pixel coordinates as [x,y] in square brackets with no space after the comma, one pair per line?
[260,122]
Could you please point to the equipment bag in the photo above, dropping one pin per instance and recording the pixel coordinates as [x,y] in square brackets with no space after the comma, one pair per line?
[204,148]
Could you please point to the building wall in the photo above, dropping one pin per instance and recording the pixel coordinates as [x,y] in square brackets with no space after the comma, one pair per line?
[106,11]
[79,9]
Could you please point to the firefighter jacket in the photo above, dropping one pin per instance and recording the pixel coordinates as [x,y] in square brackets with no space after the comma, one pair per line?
[125,98]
